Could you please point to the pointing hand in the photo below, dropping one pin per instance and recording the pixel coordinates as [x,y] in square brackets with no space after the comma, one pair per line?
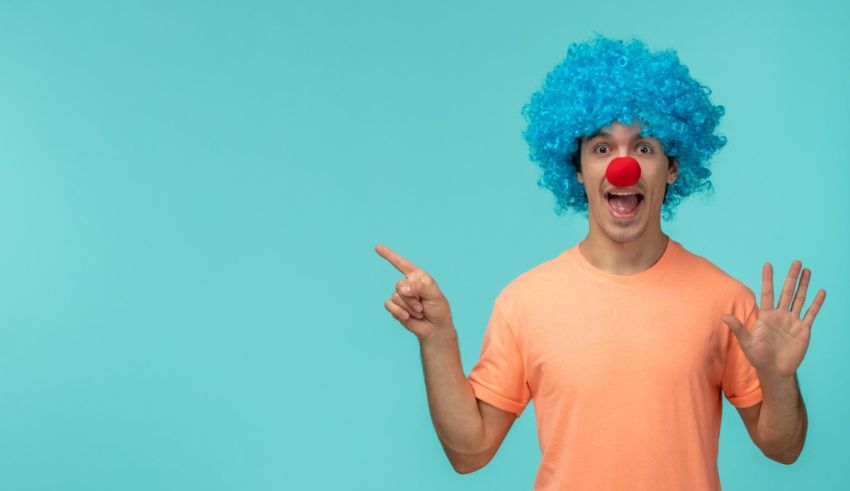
[417,302]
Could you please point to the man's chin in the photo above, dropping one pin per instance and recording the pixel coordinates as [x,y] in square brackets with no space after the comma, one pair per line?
[624,236]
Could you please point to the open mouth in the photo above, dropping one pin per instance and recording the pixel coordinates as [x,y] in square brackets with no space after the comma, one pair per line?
[624,205]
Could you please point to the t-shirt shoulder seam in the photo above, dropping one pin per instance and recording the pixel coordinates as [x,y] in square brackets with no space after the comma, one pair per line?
[508,323]
[510,329]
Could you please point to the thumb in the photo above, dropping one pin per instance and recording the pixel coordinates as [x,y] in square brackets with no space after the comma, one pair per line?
[738,329]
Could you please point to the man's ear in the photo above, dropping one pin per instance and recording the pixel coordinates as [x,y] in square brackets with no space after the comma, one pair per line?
[672,170]
[579,177]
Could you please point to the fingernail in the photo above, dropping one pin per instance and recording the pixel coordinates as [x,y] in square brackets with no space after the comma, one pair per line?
[418,307]
[405,289]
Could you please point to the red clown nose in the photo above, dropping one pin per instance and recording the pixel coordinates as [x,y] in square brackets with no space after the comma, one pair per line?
[623,171]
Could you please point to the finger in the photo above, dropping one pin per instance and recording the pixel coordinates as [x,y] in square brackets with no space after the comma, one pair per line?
[800,298]
[399,313]
[407,288]
[788,288]
[421,285]
[814,308]
[400,263]
[738,329]
[401,302]
[766,287]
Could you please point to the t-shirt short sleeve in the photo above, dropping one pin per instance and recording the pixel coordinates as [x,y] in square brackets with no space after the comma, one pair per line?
[498,378]
[740,381]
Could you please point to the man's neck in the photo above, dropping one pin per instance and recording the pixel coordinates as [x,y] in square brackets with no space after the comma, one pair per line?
[623,258]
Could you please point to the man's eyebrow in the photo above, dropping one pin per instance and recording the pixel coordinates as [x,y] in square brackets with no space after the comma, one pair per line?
[636,136]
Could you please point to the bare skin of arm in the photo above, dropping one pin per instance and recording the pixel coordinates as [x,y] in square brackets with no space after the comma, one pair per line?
[469,430]
[775,347]
[751,415]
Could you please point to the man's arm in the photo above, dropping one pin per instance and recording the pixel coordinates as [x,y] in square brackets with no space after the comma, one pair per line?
[778,424]
[775,348]
[469,430]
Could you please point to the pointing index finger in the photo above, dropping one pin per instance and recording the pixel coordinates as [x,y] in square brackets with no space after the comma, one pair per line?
[396,260]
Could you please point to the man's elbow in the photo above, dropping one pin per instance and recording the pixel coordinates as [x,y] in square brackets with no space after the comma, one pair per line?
[788,457]
[464,469]
[783,460]
[785,452]
[468,465]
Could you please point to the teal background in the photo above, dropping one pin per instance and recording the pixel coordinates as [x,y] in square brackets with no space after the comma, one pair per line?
[190,195]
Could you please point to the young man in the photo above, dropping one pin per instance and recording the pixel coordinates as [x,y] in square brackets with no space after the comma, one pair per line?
[621,340]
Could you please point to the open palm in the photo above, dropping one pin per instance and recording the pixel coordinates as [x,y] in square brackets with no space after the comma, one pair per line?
[779,339]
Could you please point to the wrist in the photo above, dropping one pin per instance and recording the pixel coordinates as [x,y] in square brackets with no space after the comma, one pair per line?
[438,336]
[768,377]
[779,389]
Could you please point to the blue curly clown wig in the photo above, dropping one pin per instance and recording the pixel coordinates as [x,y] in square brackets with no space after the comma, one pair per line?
[602,81]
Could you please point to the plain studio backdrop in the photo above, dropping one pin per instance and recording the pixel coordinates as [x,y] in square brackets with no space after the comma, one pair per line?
[190,195]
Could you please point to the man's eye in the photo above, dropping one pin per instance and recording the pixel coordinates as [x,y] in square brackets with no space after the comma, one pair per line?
[601,146]
[645,146]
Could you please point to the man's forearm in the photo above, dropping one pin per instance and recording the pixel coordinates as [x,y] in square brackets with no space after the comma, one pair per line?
[782,422]
[454,408]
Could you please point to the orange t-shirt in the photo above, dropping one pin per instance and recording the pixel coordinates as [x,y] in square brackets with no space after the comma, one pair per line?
[626,372]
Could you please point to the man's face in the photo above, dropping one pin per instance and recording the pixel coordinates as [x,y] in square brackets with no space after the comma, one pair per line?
[619,140]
